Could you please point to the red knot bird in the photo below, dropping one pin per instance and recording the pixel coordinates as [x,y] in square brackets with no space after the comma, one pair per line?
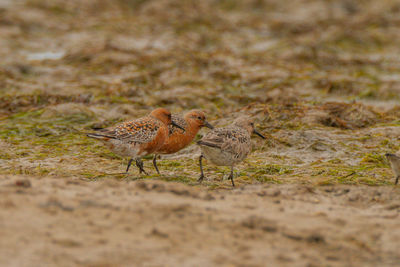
[137,138]
[229,145]
[395,164]
[178,139]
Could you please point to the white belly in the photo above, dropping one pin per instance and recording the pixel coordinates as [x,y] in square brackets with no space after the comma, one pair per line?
[123,149]
[221,158]
[396,168]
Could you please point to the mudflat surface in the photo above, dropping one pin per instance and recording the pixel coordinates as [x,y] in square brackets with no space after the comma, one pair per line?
[66,222]
[321,78]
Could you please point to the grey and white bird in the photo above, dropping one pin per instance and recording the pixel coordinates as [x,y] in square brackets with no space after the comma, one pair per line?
[395,164]
[229,145]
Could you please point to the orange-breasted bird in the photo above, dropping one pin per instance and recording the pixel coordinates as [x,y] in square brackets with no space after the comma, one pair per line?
[178,139]
[139,137]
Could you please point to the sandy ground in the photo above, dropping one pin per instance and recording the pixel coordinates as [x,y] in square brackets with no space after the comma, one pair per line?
[70,222]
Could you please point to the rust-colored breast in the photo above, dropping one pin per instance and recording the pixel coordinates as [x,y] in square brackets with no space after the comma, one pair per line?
[155,143]
[178,140]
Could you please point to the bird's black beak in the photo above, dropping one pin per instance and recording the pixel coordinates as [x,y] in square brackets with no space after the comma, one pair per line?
[259,134]
[208,125]
[178,126]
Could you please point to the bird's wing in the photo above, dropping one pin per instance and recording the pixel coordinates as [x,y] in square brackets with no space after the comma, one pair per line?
[228,139]
[179,120]
[216,138]
[137,131]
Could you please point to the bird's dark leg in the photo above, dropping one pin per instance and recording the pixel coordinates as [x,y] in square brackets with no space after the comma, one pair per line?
[139,164]
[129,164]
[397,179]
[155,163]
[201,169]
[231,176]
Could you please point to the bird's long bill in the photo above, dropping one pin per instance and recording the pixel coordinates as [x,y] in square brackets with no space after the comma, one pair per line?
[208,125]
[178,126]
[259,134]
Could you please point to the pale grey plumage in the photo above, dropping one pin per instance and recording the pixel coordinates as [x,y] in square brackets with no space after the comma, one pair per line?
[226,146]
[395,164]
[229,145]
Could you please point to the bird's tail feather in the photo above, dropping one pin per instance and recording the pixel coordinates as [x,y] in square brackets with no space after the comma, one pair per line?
[99,136]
